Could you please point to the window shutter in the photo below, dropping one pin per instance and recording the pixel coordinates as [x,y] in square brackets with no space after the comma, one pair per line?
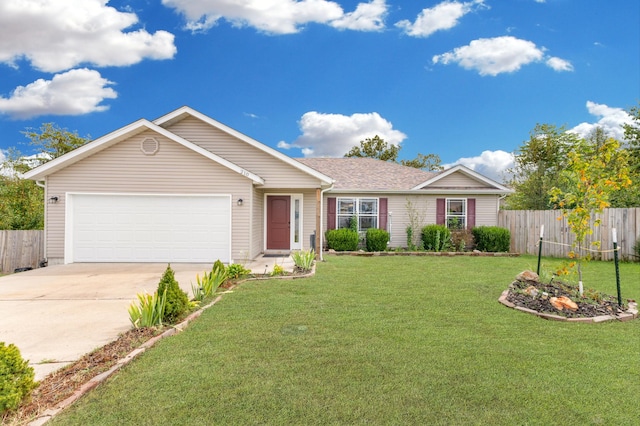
[331,213]
[440,213]
[471,213]
[382,213]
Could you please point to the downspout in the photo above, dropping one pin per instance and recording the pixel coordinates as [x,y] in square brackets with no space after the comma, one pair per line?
[322,218]
[42,184]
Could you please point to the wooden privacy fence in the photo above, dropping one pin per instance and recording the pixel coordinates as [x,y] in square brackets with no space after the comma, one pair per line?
[20,249]
[525,232]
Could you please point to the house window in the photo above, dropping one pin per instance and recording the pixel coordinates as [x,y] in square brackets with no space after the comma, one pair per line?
[456,213]
[364,210]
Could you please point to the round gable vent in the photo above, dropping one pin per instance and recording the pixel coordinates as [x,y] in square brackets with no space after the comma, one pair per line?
[149,146]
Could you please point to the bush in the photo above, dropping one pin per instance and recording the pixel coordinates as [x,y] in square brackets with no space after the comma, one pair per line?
[462,240]
[377,239]
[342,239]
[636,248]
[236,270]
[492,238]
[436,237]
[16,378]
[177,301]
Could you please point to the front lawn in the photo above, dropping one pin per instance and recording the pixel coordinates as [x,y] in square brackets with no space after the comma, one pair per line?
[383,340]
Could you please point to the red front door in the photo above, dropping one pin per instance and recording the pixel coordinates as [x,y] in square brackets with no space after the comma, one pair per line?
[278,222]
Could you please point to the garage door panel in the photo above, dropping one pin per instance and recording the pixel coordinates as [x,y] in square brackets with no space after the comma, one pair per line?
[150,228]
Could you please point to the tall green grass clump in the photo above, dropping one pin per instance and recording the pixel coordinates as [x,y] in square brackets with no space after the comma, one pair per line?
[149,310]
[436,237]
[303,259]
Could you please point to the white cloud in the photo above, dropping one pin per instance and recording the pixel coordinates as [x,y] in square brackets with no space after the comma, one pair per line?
[442,16]
[366,17]
[559,64]
[492,164]
[278,16]
[56,35]
[333,135]
[611,121]
[74,92]
[493,56]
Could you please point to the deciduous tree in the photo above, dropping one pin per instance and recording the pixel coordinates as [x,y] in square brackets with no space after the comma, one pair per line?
[378,148]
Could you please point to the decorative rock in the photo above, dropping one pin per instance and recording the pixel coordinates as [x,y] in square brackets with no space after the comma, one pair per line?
[531,291]
[527,276]
[563,302]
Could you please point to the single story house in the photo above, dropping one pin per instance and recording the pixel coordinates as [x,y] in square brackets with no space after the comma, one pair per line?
[186,188]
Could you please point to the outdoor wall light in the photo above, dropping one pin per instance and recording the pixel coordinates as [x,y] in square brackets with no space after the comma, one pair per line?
[240,201]
[53,200]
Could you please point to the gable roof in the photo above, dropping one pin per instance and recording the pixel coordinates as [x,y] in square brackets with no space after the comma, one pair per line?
[368,174]
[489,185]
[185,111]
[356,174]
[122,134]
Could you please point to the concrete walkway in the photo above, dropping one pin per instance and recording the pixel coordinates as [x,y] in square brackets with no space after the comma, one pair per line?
[55,315]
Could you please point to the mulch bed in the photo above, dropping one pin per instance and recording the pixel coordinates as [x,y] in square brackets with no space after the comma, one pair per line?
[592,305]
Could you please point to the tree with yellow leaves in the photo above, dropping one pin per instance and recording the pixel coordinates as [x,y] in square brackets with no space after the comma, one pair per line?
[595,171]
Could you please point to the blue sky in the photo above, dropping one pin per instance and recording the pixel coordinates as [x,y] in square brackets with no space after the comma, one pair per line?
[467,80]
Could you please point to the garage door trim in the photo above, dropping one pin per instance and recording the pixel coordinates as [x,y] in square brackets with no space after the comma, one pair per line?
[69,214]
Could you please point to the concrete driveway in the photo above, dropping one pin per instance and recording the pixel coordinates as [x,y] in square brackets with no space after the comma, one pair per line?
[54,315]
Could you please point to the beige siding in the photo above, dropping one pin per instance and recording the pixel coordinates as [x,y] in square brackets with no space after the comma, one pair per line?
[458,180]
[276,173]
[425,205]
[123,168]
[258,212]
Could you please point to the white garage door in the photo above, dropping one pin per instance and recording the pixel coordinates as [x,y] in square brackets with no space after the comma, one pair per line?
[148,228]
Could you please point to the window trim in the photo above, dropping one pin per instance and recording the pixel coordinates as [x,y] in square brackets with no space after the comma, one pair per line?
[357,211]
[464,215]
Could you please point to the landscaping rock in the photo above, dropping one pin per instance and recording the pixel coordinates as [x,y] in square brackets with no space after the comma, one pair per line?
[527,276]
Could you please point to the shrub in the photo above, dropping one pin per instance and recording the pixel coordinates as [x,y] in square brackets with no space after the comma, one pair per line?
[462,240]
[492,238]
[177,301]
[303,259]
[377,239]
[236,270]
[343,239]
[16,378]
[436,237]
[149,310]
[636,248]
[218,266]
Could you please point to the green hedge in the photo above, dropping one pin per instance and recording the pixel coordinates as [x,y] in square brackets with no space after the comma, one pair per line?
[377,239]
[344,239]
[436,237]
[492,238]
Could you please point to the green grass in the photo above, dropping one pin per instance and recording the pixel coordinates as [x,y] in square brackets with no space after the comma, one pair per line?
[383,340]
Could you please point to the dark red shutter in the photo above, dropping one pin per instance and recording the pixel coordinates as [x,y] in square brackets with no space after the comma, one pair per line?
[331,213]
[382,212]
[440,213]
[471,213]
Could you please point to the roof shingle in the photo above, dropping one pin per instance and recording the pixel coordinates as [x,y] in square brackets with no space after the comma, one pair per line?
[368,173]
